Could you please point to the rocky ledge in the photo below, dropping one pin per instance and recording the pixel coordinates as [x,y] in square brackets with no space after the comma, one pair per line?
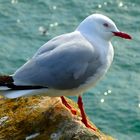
[43,118]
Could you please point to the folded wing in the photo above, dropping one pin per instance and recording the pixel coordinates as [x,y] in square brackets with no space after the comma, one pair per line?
[64,62]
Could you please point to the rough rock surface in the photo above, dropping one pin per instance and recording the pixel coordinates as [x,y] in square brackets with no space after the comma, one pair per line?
[42,118]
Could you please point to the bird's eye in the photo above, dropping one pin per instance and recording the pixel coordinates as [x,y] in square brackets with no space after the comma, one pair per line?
[106,25]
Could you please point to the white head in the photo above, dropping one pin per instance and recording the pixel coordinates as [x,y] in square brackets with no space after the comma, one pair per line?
[101,26]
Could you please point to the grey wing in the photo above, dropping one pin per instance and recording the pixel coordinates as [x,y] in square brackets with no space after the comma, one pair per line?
[53,43]
[67,65]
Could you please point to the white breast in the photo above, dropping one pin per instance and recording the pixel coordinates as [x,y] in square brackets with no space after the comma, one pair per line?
[106,55]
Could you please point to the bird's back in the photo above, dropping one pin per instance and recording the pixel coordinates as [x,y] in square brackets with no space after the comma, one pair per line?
[65,62]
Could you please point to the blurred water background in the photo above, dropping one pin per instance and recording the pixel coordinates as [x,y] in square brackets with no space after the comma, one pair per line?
[114,104]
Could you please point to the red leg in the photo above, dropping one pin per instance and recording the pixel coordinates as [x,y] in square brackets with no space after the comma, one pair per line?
[83,114]
[73,111]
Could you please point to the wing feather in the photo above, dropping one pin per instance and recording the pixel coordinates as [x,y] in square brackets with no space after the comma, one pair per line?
[64,62]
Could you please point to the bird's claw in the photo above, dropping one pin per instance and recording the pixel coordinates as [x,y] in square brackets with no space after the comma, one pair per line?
[73,111]
[90,127]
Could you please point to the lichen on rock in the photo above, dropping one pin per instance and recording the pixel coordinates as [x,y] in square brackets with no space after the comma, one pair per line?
[42,118]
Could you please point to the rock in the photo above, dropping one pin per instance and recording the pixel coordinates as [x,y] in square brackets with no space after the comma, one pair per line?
[42,118]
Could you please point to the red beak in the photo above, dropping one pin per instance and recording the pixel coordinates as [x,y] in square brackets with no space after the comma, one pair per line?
[122,35]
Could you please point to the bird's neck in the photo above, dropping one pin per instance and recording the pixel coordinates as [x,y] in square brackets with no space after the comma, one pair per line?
[103,47]
[95,39]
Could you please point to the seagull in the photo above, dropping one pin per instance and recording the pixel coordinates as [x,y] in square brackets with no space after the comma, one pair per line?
[67,65]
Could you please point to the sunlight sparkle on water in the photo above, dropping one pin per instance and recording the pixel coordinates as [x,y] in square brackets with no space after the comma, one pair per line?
[55,24]
[109,91]
[105,3]
[18,20]
[99,6]
[105,93]
[51,25]
[102,100]
[120,4]
[14,1]
[54,7]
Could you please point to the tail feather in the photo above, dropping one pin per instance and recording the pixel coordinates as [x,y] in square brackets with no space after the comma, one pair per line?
[20,93]
[6,79]
[9,90]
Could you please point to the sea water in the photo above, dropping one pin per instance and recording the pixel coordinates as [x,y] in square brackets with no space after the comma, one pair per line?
[114,104]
